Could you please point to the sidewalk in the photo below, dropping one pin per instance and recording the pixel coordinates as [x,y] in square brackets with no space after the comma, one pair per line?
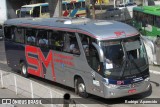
[154,68]
[5,93]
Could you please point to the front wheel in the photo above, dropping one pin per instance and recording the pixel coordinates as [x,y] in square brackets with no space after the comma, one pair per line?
[24,71]
[81,88]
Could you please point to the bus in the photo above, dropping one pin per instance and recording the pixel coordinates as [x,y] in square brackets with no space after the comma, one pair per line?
[147,20]
[85,54]
[122,11]
[74,8]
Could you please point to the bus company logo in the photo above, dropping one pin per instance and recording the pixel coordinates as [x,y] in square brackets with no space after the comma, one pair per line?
[35,57]
[37,62]
[119,33]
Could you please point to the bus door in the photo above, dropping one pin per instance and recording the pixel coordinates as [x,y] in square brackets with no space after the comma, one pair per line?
[56,41]
[71,58]
[94,66]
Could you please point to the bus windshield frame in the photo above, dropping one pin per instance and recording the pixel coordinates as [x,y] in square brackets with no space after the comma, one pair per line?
[126,57]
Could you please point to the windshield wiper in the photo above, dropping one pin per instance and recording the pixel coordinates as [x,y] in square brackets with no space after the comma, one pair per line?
[131,57]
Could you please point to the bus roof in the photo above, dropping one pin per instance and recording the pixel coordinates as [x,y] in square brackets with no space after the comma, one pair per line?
[46,4]
[99,29]
[35,5]
[154,10]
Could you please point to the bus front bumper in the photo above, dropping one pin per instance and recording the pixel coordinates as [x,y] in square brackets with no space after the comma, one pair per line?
[127,90]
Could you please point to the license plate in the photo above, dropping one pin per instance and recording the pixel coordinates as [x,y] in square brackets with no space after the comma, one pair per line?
[132,91]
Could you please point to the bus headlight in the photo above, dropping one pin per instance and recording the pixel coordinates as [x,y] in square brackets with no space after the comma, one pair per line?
[147,79]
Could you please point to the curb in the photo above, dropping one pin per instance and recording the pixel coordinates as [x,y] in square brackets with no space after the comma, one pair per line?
[154,72]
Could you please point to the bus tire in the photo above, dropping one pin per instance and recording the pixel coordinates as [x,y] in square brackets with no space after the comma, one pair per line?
[24,71]
[81,88]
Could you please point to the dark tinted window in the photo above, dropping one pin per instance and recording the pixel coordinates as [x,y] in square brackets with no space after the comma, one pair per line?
[45,9]
[30,37]
[8,33]
[42,38]
[19,35]
[157,21]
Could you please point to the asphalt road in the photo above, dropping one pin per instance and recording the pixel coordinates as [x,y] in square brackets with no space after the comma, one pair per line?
[95,101]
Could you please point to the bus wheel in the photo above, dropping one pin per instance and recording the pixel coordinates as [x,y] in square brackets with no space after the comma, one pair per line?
[24,69]
[81,88]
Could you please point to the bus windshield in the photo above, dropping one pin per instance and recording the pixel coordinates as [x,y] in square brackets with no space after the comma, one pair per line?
[123,58]
[25,11]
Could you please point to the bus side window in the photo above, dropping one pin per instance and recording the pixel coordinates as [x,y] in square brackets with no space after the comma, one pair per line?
[157,21]
[77,5]
[42,38]
[64,7]
[30,37]
[70,6]
[36,11]
[45,9]
[70,43]
[19,35]
[94,61]
[83,4]
[9,33]
[135,15]
[56,40]
[150,19]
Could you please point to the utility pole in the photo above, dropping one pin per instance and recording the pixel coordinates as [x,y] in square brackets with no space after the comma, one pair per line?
[87,5]
[60,8]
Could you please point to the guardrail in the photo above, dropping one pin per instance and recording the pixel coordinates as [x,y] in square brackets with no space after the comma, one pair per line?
[31,89]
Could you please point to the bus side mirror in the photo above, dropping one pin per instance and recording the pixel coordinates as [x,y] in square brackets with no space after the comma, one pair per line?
[100,51]
[18,12]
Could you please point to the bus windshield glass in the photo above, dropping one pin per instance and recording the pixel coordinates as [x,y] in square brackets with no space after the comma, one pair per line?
[123,58]
[25,11]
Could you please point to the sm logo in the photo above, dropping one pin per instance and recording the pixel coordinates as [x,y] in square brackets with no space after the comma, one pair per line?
[35,57]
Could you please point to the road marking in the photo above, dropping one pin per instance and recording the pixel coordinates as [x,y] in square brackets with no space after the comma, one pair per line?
[154,72]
